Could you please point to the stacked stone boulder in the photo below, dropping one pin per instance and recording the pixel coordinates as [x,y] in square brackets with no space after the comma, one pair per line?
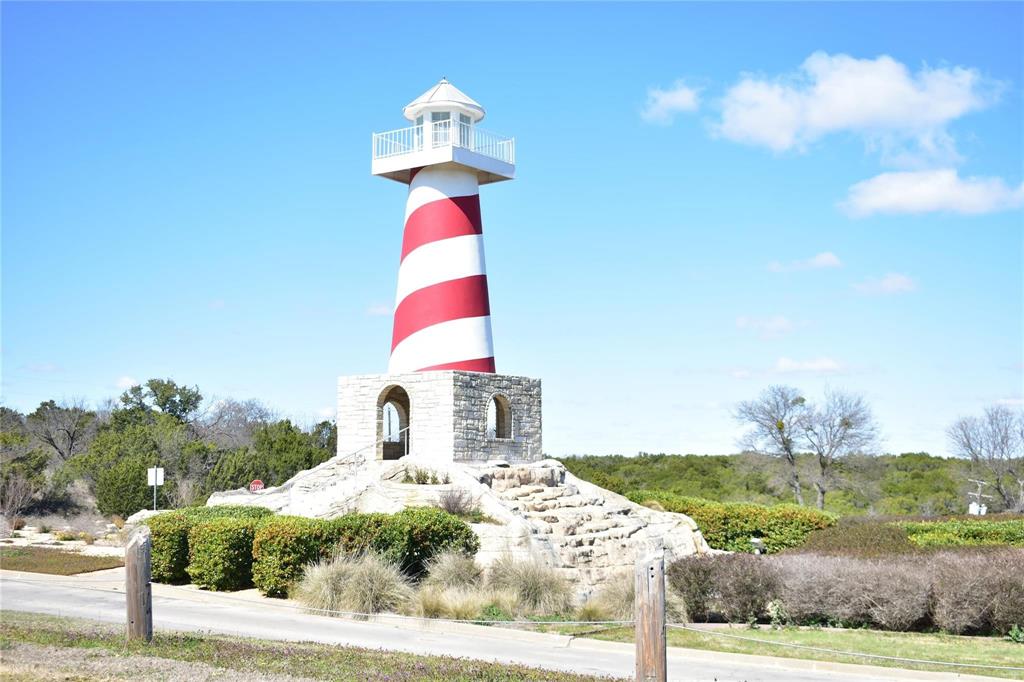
[541,512]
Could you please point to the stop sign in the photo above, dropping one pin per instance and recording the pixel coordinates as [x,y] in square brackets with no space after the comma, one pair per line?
[256,486]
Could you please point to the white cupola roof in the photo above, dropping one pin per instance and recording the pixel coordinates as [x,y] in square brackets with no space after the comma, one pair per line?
[444,97]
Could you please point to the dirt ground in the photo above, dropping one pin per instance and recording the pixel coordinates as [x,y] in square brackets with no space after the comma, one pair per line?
[21,662]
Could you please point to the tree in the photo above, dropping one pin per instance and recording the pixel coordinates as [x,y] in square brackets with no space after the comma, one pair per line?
[777,420]
[325,437]
[994,443]
[115,467]
[140,403]
[841,426]
[279,451]
[22,465]
[231,423]
[67,428]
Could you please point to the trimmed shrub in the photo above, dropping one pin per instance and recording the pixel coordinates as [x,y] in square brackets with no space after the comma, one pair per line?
[284,545]
[170,537]
[730,526]
[412,536]
[539,588]
[745,585]
[980,591]
[692,578]
[858,538]
[964,533]
[220,553]
[169,533]
[362,584]
[977,593]
[827,590]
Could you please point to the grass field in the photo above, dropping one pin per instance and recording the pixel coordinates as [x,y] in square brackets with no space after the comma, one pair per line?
[55,561]
[934,647]
[316,661]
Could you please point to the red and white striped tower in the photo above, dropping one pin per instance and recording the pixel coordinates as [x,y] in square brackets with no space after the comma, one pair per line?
[442,312]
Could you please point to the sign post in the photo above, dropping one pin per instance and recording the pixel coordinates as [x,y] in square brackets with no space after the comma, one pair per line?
[156,477]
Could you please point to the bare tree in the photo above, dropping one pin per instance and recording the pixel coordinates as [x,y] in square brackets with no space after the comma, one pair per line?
[231,423]
[16,492]
[67,428]
[994,442]
[777,420]
[841,426]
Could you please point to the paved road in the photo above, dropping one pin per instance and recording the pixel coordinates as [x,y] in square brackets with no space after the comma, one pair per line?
[183,609]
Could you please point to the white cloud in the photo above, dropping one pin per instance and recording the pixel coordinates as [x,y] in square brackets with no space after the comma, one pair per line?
[741,374]
[821,365]
[767,327]
[879,99]
[325,412]
[931,190]
[126,382]
[379,310]
[663,105]
[892,283]
[826,259]
[1011,402]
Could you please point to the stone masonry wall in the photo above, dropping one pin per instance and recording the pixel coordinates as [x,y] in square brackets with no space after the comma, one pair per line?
[473,393]
[360,413]
[447,415]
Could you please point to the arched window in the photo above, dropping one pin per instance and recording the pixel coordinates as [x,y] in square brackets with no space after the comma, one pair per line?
[499,417]
[393,419]
[392,423]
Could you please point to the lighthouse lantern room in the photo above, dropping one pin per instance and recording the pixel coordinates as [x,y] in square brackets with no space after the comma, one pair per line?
[444,131]
[442,398]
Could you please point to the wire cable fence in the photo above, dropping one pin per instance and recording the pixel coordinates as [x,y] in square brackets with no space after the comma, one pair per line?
[603,624]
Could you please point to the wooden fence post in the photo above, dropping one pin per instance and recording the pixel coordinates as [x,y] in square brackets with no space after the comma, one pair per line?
[651,664]
[137,590]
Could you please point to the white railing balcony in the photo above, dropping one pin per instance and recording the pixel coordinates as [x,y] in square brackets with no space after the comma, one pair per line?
[443,134]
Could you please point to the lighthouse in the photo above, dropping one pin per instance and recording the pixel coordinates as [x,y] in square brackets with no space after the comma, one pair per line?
[441,398]
[442,315]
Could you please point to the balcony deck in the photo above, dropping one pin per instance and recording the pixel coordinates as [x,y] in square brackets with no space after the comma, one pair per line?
[396,152]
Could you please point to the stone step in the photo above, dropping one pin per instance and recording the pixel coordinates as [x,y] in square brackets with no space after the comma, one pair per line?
[585,539]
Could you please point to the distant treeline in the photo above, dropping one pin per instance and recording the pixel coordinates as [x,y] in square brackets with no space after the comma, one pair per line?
[913,483]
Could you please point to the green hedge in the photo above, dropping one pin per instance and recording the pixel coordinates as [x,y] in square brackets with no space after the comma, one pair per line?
[285,544]
[412,536]
[964,533]
[170,537]
[220,553]
[730,525]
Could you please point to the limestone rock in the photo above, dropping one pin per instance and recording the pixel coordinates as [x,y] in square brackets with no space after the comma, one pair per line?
[541,511]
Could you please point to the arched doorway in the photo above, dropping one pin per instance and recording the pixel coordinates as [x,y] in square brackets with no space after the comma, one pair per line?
[393,413]
[499,417]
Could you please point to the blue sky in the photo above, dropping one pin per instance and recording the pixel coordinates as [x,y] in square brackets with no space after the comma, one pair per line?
[709,199]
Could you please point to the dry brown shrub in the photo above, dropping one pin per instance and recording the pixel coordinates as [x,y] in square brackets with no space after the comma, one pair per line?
[456,501]
[744,585]
[692,579]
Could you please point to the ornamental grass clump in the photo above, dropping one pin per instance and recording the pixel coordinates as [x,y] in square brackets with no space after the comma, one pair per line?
[539,588]
[452,569]
[617,599]
[361,584]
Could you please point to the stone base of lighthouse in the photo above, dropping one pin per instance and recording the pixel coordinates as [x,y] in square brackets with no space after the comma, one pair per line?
[537,510]
[443,416]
